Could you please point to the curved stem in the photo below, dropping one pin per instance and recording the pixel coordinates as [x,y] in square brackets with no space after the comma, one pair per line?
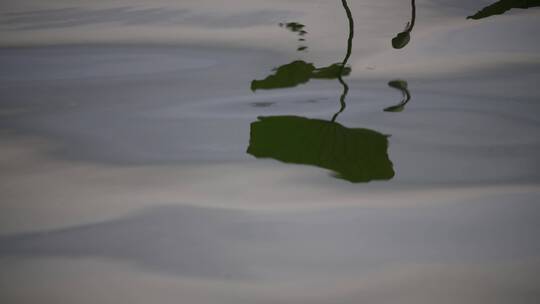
[406,96]
[413,19]
[344,62]
[341,99]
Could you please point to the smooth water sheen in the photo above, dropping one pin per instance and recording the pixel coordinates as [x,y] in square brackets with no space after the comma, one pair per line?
[202,151]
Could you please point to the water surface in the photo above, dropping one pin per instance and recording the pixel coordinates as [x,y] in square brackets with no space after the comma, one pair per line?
[269,151]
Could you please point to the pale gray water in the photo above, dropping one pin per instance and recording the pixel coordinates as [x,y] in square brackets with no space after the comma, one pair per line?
[125,179]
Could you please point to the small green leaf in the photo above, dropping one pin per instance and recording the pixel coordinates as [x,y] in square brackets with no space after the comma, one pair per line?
[401,40]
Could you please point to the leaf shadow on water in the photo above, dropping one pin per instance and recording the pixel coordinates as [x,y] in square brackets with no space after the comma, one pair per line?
[356,155]
[299,29]
[296,73]
[502,6]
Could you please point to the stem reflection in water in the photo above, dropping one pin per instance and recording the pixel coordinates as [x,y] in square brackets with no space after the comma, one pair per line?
[356,155]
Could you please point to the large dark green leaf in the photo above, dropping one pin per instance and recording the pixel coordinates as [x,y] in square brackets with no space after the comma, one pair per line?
[356,155]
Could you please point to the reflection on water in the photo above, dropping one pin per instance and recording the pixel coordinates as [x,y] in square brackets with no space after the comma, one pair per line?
[262,104]
[295,27]
[497,8]
[356,155]
[403,38]
[298,28]
[502,6]
[125,174]
[296,73]
[300,72]
[402,86]
[345,59]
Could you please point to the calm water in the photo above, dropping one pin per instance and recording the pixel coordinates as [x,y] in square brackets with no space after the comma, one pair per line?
[358,151]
